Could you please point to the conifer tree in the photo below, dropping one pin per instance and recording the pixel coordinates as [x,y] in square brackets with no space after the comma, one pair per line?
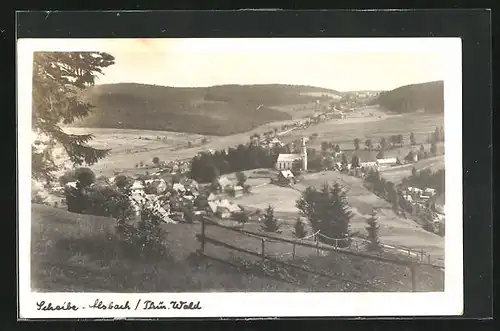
[58,81]
[412,139]
[327,211]
[373,237]
[300,229]
[270,223]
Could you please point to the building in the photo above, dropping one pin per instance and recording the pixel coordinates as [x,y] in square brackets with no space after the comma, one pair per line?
[286,161]
[237,191]
[389,162]
[367,159]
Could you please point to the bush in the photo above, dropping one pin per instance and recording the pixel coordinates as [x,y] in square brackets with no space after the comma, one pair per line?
[144,238]
[240,217]
[85,176]
[300,229]
[156,160]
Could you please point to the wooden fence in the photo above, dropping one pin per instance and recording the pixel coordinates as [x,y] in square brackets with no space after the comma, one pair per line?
[316,244]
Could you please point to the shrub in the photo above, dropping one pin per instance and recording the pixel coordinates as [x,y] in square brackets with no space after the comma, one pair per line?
[240,217]
[156,160]
[144,238]
[300,229]
[85,176]
[247,188]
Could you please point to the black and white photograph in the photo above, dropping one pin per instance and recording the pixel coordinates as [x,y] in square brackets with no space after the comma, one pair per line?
[193,177]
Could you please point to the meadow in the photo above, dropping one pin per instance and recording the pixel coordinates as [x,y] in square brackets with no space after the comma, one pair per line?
[360,124]
[394,229]
[80,253]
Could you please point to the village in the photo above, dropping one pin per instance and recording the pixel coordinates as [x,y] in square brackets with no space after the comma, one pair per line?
[178,198]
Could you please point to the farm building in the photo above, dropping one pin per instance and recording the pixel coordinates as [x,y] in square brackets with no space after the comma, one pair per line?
[387,162]
[285,176]
[367,158]
[223,207]
[237,191]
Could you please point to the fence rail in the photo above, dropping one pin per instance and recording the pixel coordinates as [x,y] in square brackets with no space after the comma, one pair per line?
[204,239]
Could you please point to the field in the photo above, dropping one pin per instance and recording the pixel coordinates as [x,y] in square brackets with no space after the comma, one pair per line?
[394,230]
[76,253]
[396,174]
[360,124]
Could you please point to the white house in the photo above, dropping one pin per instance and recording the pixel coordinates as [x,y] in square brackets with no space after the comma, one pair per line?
[388,162]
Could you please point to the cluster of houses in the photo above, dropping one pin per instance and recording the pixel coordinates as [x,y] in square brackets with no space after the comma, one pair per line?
[171,200]
[427,198]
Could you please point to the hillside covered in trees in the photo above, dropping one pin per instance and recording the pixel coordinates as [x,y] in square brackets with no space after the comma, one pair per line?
[410,98]
[217,110]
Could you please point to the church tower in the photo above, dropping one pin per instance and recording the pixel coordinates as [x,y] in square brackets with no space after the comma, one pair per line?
[304,154]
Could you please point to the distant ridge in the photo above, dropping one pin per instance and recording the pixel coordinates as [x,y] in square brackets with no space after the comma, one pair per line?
[428,97]
[215,110]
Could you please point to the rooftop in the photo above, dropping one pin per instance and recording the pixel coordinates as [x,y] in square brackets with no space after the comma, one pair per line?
[289,157]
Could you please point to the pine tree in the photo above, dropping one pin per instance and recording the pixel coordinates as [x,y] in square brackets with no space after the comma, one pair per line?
[327,210]
[383,144]
[412,139]
[270,223]
[356,143]
[300,229]
[58,80]
[373,236]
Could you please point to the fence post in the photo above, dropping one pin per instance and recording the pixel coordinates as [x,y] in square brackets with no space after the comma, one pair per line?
[202,249]
[421,255]
[336,244]
[413,272]
[263,249]
[293,252]
[317,246]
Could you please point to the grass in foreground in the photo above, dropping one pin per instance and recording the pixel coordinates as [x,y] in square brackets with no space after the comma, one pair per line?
[75,253]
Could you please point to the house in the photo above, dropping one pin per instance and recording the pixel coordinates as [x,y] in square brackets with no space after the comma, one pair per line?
[367,158]
[179,188]
[137,186]
[430,191]
[237,191]
[223,207]
[225,183]
[157,185]
[285,176]
[388,162]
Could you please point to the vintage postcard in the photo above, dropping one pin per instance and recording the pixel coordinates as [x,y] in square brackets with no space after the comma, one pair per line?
[239,177]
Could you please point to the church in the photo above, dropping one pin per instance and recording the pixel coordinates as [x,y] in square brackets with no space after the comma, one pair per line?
[285,161]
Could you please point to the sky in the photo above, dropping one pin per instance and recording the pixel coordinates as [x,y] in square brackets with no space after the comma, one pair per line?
[339,64]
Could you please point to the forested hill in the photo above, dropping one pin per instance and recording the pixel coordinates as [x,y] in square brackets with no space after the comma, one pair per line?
[426,96]
[217,110]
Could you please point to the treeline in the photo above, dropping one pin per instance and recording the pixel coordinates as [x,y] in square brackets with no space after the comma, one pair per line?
[206,167]
[409,98]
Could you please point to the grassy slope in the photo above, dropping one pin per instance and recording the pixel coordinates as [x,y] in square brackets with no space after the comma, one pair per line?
[394,230]
[427,96]
[218,110]
[73,252]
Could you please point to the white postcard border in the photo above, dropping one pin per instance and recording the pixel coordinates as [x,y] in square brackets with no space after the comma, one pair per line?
[449,302]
